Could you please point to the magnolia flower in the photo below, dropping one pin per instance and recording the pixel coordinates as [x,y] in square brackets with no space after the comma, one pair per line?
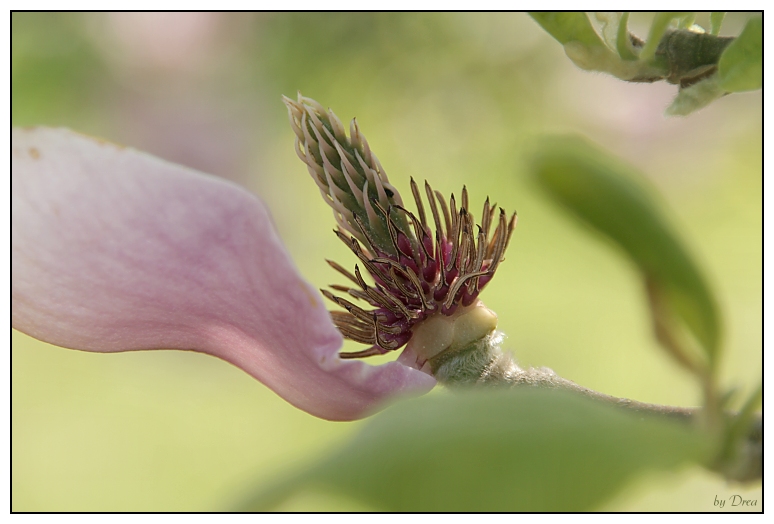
[115,250]
[426,281]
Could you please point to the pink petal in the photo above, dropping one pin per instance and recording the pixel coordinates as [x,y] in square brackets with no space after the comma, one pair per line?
[115,250]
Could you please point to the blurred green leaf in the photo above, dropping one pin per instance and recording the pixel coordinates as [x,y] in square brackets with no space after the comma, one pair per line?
[695,97]
[55,73]
[504,450]
[612,198]
[609,23]
[716,20]
[658,27]
[588,50]
[615,33]
[568,27]
[741,455]
[745,415]
[741,65]
[623,42]
[686,21]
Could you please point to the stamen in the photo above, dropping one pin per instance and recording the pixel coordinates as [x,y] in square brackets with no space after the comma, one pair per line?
[445,213]
[382,299]
[339,287]
[486,219]
[359,278]
[492,210]
[362,296]
[345,318]
[357,250]
[455,236]
[370,352]
[499,247]
[346,304]
[511,226]
[457,285]
[385,343]
[392,330]
[441,264]
[418,200]
[391,229]
[402,287]
[418,286]
[433,206]
[455,218]
[464,245]
[481,247]
[419,230]
[353,328]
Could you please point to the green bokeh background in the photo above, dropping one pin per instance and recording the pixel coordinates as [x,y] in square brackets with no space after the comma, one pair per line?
[452,98]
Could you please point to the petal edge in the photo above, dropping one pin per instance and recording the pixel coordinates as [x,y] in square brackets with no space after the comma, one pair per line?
[116,250]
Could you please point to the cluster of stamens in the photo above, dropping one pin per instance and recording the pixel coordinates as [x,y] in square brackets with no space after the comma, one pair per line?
[416,272]
[440,276]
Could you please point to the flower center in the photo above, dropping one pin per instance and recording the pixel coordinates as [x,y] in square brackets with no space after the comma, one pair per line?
[441,333]
[426,269]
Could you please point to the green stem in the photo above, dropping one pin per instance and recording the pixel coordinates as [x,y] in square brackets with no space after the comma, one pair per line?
[483,363]
[690,56]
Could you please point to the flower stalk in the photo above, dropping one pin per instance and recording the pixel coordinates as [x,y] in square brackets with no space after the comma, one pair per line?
[482,363]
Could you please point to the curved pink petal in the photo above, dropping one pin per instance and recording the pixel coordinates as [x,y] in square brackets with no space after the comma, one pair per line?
[115,250]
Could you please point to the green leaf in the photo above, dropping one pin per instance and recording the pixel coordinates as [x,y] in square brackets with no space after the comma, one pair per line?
[741,455]
[686,21]
[741,65]
[586,48]
[609,24]
[615,200]
[504,450]
[695,97]
[658,27]
[568,27]
[739,424]
[615,33]
[623,43]
[716,20]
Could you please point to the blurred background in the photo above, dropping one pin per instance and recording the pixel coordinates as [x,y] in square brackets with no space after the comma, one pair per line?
[451,98]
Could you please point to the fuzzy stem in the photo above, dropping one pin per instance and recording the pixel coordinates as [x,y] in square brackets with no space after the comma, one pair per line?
[483,363]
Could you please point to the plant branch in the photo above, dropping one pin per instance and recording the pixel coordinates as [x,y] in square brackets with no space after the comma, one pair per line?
[483,363]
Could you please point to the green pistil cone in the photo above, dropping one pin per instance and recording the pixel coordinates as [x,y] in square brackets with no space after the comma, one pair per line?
[350,177]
